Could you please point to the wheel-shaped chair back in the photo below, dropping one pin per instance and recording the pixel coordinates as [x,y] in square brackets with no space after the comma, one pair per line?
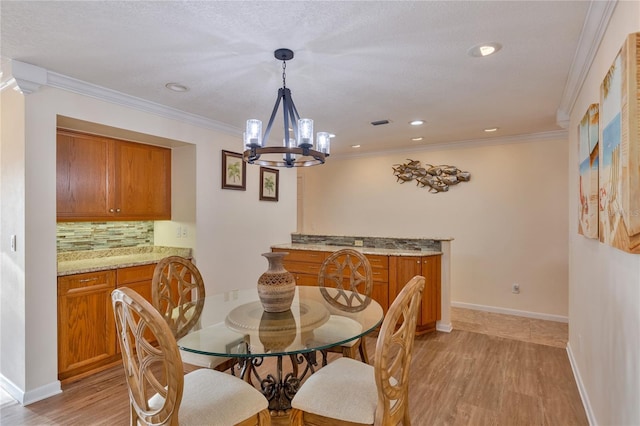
[350,270]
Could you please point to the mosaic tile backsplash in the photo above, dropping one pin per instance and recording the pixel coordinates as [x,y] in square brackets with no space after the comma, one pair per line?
[377,242]
[76,236]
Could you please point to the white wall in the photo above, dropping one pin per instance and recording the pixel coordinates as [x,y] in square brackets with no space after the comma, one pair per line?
[12,211]
[232,227]
[508,223]
[604,297]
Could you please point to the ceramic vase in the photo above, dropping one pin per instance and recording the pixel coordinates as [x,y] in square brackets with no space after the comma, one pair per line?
[277,286]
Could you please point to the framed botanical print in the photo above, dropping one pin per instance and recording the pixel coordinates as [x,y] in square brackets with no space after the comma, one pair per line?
[234,171]
[269,184]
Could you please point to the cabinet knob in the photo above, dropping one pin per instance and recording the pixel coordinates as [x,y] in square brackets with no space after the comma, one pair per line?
[117,210]
[417,261]
[110,210]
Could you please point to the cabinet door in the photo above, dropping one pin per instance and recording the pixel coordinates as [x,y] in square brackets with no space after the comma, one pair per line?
[401,270]
[86,328]
[430,310]
[142,181]
[82,176]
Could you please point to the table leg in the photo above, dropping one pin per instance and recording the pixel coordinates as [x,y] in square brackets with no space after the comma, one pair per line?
[278,387]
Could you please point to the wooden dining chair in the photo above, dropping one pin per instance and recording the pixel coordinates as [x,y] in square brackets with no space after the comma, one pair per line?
[346,269]
[159,392]
[349,392]
[177,292]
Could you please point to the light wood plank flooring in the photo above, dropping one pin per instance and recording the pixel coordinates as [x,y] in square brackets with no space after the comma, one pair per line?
[460,378]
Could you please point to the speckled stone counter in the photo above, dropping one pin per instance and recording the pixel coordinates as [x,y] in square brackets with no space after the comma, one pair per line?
[77,262]
[364,250]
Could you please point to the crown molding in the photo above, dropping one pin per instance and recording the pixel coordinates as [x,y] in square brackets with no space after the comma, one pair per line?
[448,146]
[30,78]
[595,25]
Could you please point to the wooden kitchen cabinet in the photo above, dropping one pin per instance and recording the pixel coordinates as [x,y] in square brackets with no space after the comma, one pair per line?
[100,178]
[402,269]
[305,267]
[86,328]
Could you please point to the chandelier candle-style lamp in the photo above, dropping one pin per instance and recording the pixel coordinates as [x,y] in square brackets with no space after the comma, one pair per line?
[297,150]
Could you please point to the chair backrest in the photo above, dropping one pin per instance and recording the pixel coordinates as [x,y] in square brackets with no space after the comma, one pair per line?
[394,350]
[149,369]
[347,269]
[177,292]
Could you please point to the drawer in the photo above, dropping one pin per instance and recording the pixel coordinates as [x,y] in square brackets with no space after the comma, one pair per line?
[134,274]
[380,275]
[302,267]
[307,280]
[378,261]
[304,256]
[91,281]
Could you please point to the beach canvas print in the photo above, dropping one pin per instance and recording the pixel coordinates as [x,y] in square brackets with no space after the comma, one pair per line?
[588,179]
[619,187]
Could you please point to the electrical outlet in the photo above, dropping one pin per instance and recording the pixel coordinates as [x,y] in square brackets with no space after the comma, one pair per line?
[515,288]
[14,246]
[358,243]
[178,232]
[185,232]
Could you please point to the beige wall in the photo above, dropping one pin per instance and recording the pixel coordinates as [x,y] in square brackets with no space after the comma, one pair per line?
[508,223]
[232,228]
[12,210]
[604,297]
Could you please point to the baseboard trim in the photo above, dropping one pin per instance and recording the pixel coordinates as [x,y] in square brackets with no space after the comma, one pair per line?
[446,328]
[507,311]
[29,397]
[581,389]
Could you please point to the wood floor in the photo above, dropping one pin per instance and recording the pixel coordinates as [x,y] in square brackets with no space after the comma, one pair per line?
[459,378]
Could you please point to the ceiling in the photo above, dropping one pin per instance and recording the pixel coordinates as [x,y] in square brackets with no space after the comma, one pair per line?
[355,62]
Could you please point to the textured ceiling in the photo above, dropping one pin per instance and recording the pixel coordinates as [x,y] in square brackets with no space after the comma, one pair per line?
[355,62]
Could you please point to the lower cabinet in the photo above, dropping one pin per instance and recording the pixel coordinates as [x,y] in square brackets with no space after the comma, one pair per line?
[404,268]
[86,328]
[390,274]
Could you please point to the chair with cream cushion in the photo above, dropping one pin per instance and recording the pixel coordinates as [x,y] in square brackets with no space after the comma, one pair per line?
[159,392]
[177,291]
[346,269]
[349,392]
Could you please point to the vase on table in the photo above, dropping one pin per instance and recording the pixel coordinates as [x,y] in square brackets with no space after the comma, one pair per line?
[277,286]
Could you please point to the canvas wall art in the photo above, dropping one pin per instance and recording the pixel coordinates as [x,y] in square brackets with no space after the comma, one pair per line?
[588,136]
[619,188]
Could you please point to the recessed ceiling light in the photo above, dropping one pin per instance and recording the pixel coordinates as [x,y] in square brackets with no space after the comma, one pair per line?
[416,122]
[491,129]
[331,135]
[177,87]
[484,49]
[417,139]
[355,146]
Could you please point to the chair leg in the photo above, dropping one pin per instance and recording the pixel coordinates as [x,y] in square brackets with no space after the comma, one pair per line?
[296,417]
[363,351]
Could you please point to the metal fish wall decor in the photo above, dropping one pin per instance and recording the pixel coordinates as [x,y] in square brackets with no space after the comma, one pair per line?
[436,178]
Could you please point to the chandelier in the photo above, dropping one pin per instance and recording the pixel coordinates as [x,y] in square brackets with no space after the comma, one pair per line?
[297,150]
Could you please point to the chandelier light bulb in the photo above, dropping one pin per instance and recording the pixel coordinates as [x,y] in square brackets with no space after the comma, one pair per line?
[323,140]
[305,132]
[253,133]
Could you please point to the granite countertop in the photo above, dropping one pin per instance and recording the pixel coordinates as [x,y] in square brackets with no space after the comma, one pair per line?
[77,262]
[364,250]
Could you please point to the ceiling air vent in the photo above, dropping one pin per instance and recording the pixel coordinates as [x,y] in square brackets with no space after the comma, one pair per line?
[380,122]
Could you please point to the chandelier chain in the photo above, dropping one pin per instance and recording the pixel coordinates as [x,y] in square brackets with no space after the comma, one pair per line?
[284,73]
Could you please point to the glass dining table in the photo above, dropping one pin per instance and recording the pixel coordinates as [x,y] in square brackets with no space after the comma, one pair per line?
[235,325]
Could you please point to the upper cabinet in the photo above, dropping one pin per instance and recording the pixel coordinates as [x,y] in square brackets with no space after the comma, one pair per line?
[100,178]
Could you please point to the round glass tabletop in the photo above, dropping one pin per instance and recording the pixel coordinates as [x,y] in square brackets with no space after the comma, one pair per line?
[234,324]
